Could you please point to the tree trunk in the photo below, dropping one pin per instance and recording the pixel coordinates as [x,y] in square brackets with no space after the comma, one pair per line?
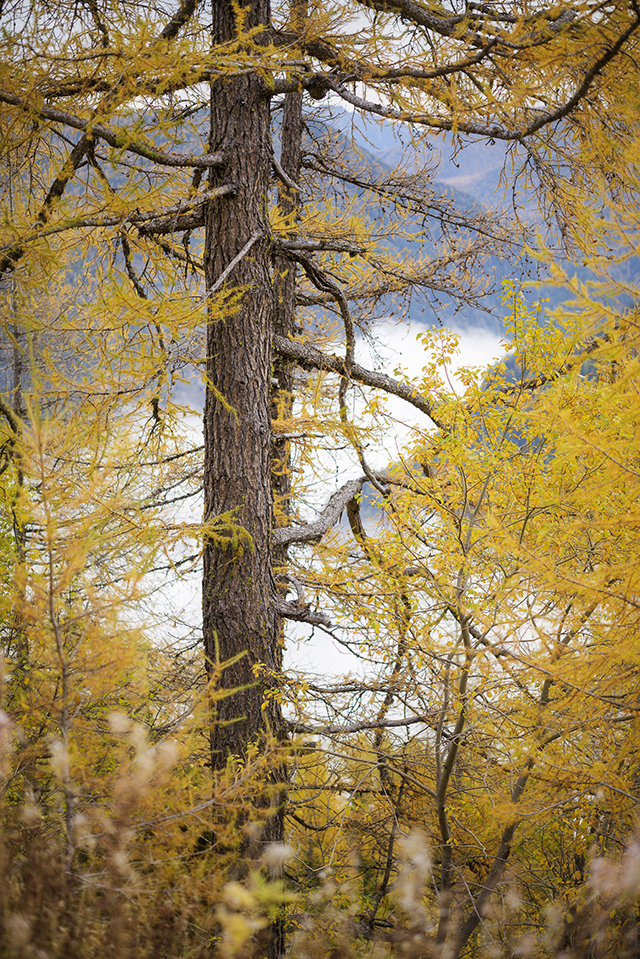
[285,307]
[238,615]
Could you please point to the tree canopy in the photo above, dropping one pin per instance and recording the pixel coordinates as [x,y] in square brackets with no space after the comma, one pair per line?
[183,202]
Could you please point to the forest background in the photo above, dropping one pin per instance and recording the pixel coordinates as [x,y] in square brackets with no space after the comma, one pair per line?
[185,200]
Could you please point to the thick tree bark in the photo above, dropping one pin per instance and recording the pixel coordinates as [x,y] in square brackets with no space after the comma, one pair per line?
[238,612]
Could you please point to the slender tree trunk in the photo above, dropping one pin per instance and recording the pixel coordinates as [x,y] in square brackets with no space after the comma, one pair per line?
[285,307]
[238,615]
[282,382]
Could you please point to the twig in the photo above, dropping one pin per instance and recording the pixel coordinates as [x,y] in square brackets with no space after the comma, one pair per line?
[229,269]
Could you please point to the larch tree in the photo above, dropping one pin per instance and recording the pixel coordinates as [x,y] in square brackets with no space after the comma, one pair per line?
[181,152]
[496,606]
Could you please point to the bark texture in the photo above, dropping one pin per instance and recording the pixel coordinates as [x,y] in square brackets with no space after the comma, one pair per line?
[285,307]
[238,612]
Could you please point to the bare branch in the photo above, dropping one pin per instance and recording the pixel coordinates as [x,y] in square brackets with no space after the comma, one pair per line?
[301,598]
[328,518]
[182,15]
[492,130]
[59,184]
[282,175]
[301,613]
[308,356]
[181,222]
[426,720]
[231,267]
[303,245]
[119,140]
[327,53]
[418,199]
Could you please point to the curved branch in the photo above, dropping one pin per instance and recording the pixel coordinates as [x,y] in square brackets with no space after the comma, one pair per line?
[329,517]
[583,89]
[328,54]
[311,358]
[494,131]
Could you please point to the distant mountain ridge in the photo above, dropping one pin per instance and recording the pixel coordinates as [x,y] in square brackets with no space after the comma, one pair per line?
[473,173]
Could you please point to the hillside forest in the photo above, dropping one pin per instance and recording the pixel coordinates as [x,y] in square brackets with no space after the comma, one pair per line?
[211,210]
